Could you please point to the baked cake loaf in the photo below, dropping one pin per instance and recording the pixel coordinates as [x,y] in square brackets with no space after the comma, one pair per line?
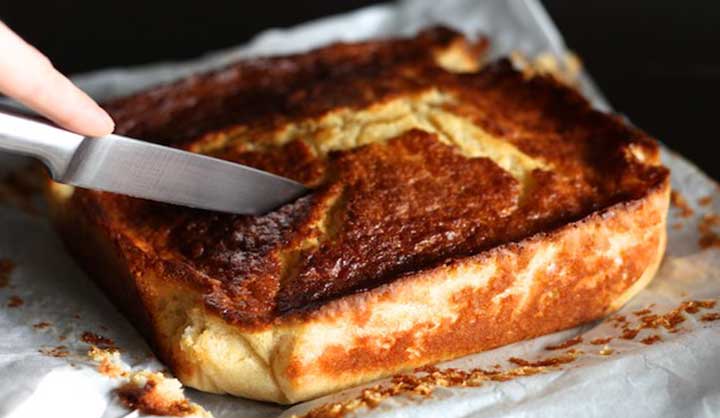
[453,209]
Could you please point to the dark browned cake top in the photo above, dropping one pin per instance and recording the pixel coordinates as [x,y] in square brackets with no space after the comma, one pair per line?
[411,165]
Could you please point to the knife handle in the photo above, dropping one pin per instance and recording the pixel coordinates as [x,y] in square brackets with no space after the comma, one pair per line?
[21,134]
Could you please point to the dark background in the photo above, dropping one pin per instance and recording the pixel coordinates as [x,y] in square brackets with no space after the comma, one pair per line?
[657,61]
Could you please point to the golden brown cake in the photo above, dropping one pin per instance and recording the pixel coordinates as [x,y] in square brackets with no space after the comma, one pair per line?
[453,209]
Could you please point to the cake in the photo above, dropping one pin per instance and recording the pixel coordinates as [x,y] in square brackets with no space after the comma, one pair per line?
[455,206]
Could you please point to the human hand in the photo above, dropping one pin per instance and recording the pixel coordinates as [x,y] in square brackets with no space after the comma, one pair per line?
[29,77]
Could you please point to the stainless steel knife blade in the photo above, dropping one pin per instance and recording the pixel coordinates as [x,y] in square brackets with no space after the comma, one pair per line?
[122,165]
[141,169]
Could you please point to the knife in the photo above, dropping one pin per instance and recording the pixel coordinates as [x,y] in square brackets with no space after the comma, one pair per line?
[118,164]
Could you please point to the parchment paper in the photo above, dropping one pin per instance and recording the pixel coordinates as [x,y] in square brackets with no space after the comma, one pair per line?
[677,377]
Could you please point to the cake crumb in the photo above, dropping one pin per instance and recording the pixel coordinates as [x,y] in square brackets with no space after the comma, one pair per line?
[606,351]
[642,312]
[705,200]
[710,219]
[678,225]
[424,380]
[551,361]
[7,266]
[629,334]
[669,320]
[148,392]
[97,340]
[58,351]
[617,320]
[708,237]
[601,341]
[41,325]
[679,202]
[15,301]
[694,306]
[708,317]
[709,240]
[569,343]
[565,69]
[651,339]
[109,362]
[154,394]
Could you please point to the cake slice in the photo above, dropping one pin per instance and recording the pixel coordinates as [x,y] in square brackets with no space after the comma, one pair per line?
[454,209]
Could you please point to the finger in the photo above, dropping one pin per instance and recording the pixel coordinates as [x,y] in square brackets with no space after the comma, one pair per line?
[28,76]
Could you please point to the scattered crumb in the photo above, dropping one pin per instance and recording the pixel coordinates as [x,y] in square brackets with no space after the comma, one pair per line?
[650,340]
[15,301]
[642,312]
[706,304]
[601,341]
[708,317]
[41,325]
[62,338]
[420,383]
[606,351]
[97,340]
[76,316]
[148,392]
[679,202]
[565,69]
[569,343]
[694,306]
[58,351]
[678,225]
[109,362]
[6,268]
[154,394]
[551,361]
[629,334]
[705,200]
[575,352]
[669,320]
[708,237]
[711,219]
[617,320]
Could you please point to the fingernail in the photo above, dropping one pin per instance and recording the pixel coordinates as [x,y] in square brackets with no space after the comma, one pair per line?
[108,123]
[102,122]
